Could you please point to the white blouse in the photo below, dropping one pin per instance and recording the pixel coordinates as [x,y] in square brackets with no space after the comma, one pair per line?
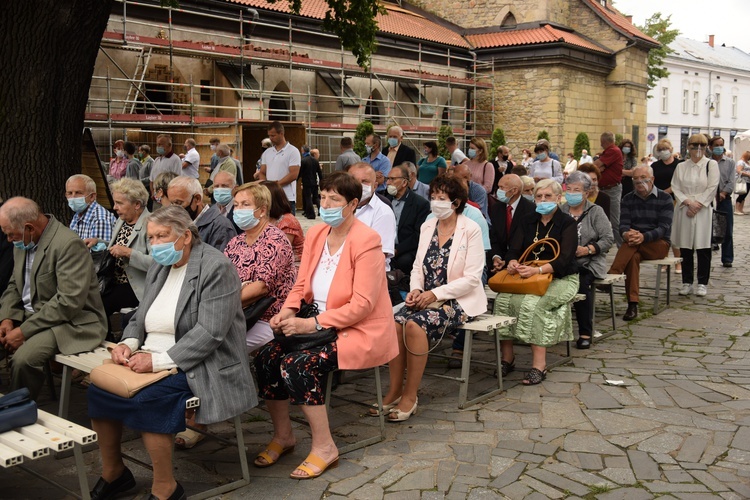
[323,276]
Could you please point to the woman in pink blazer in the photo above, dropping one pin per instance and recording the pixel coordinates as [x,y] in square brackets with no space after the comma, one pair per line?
[446,290]
[341,272]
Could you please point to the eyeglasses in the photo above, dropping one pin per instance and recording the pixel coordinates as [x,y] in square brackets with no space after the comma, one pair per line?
[393,179]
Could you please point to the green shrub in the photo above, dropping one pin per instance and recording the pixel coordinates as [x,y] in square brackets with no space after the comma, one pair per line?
[582,142]
[444,132]
[363,130]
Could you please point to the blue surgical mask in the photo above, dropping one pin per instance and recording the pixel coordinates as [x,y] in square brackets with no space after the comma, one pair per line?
[165,254]
[99,247]
[368,149]
[574,199]
[626,150]
[718,150]
[332,216]
[545,207]
[502,196]
[21,245]
[160,150]
[223,196]
[472,153]
[541,156]
[392,142]
[529,197]
[78,205]
[245,218]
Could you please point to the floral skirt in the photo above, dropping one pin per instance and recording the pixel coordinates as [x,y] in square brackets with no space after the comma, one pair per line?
[450,316]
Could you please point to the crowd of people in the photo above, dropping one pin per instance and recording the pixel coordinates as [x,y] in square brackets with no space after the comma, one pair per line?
[423,235]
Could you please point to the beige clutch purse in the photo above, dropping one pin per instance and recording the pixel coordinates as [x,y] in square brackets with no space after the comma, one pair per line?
[122,381]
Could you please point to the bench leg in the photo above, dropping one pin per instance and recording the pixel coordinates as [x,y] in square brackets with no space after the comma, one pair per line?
[379,394]
[81,468]
[499,361]
[669,284]
[67,376]
[612,307]
[657,292]
[463,390]
[593,310]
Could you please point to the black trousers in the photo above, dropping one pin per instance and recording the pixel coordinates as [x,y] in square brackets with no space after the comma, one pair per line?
[119,297]
[704,265]
[310,199]
[584,308]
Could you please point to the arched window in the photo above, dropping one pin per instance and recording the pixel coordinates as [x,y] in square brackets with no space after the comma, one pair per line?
[374,108]
[280,107]
[509,21]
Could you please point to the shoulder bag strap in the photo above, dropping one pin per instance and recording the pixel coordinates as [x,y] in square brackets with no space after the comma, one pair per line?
[548,241]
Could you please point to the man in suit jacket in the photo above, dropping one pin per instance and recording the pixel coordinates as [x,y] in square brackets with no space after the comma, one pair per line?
[52,303]
[509,195]
[411,210]
[396,151]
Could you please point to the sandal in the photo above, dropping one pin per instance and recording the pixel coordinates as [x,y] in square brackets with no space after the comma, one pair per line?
[273,447]
[373,412]
[189,439]
[535,376]
[317,462]
[506,368]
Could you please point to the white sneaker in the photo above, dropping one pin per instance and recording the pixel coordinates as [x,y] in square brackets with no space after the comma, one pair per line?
[687,289]
[701,291]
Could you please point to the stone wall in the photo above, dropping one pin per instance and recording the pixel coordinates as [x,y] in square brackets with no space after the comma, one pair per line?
[490,13]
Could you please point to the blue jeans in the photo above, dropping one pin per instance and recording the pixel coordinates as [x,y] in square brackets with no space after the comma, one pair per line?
[727,246]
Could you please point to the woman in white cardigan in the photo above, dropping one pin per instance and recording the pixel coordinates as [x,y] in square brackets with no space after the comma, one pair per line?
[694,186]
[446,290]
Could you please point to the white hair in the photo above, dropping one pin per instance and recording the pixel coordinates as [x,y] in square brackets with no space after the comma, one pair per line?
[397,129]
[88,182]
[189,184]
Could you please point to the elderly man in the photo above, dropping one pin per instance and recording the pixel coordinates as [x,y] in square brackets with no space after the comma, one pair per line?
[167,161]
[225,163]
[505,217]
[585,157]
[91,220]
[415,184]
[214,162]
[224,184]
[645,227]
[411,210]
[377,160]
[281,163]
[348,157]
[727,174]
[213,228]
[477,194]
[6,264]
[191,160]
[610,165]
[396,151]
[374,212]
[52,303]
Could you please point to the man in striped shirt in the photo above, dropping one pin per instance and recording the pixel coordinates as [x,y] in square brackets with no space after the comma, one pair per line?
[91,220]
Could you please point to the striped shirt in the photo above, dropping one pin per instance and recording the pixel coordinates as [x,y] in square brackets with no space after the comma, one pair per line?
[651,216]
[95,222]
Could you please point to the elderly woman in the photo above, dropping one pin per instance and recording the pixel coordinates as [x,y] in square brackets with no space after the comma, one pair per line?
[342,274]
[119,164]
[594,195]
[280,215]
[482,171]
[594,241]
[528,187]
[161,186]
[446,290]
[432,164]
[129,245]
[544,166]
[694,187]
[630,161]
[743,172]
[663,168]
[262,256]
[541,321]
[190,319]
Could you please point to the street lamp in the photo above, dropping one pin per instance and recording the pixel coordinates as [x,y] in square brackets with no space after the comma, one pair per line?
[711,101]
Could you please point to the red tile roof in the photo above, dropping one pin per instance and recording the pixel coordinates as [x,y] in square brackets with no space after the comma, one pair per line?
[619,21]
[545,34]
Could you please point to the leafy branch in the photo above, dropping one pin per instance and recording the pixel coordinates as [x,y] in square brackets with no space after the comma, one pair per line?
[658,28]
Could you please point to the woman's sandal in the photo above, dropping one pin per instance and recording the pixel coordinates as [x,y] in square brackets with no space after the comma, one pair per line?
[506,367]
[535,376]
[189,439]
[397,415]
[317,462]
[273,447]
[373,412]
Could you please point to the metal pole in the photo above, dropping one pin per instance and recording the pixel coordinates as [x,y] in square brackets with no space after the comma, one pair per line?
[124,22]
[242,66]
[291,99]
[109,108]
[171,55]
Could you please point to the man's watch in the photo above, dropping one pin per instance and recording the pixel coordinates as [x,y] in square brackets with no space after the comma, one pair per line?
[318,326]
[591,252]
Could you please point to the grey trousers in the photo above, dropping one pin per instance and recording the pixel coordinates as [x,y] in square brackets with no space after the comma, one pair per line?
[615,195]
[28,362]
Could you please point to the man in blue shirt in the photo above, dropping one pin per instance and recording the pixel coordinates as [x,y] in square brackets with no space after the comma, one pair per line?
[91,220]
[377,160]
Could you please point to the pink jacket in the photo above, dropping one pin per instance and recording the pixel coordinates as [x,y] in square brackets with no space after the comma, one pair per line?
[465,266]
[118,166]
[358,304]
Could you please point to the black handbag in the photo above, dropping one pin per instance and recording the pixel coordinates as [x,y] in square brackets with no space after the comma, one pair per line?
[17,409]
[718,227]
[104,263]
[257,309]
[306,341]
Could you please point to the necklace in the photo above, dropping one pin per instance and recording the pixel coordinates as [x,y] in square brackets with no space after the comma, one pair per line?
[450,231]
[536,238]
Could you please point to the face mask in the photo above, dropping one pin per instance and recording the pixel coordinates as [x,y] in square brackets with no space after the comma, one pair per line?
[165,254]
[545,207]
[77,205]
[392,142]
[663,155]
[541,156]
[99,247]
[525,155]
[696,154]
[223,196]
[366,191]
[120,153]
[245,218]
[529,197]
[626,150]
[392,190]
[640,183]
[502,196]
[718,150]
[441,209]
[213,147]
[20,244]
[574,199]
[472,153]
[332,216]
[160,150]
[368,149]
[505,157]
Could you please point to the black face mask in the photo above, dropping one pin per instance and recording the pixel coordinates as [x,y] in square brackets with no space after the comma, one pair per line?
[505,157]
[192,212]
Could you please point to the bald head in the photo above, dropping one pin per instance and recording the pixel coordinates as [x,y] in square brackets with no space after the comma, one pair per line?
[462,172]
[512,185]
[364,173]
[20,217]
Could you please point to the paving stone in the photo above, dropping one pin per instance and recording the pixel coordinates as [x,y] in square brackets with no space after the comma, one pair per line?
[708,480]
[530,457]
[664,487]
[692,449]
[446,473]
[509,476]
[433,495]
[565,414]
[590,442]
[590,461]
[620,475]
[617,462]
[542,488]
[678,476]
[558,482]
[626,494]
[368,492]
[402,495]
[661,443]
[608,423]
[516,490]
[627,440]
[482,494]
[742,439]
[516,445]
[644,467]
[595,398]
[418,480]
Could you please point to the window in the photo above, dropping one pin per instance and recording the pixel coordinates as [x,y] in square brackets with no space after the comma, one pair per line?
[717,105]
[734,106]
[664,99]
[205,93]
[695,101]
[685,98]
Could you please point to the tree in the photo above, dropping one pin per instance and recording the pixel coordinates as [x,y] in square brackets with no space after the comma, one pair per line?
[658,28]
[444,132]
[363,130]
[498,139]
[618,139]
[542,135]
[582,142]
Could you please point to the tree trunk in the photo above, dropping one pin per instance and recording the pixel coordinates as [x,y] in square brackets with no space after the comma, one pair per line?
[48,49]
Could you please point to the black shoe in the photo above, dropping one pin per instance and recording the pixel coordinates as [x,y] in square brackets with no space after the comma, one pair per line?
[714,247]
[727,264]
[583,343]
[179,494]
[104,490]
[632,312]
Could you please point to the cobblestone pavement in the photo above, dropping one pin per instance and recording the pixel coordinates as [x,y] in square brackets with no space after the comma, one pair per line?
[677,427]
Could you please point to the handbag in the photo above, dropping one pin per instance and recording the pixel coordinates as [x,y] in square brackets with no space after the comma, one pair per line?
[104,263]
[122,381]
[257,309]
[740,186]
[291,343]
[537,284]
[17,409]
[718,226]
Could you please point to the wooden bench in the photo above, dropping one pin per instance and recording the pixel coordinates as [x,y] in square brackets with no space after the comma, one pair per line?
[50,434]
[609,279]
[87,361]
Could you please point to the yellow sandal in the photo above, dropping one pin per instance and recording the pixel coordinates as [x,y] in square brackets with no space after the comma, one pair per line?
[274,447]
[317,462]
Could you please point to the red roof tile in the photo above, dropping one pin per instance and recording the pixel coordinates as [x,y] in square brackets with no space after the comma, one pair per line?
[545,34]
[619,21]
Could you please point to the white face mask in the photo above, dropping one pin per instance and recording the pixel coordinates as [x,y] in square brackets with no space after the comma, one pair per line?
[366,191]
[663,155]
[441,209]
[392,190]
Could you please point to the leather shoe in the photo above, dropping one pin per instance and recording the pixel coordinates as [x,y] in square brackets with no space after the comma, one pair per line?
[727,264]
[632,312]
[583,343]
[104,490]
[179,494]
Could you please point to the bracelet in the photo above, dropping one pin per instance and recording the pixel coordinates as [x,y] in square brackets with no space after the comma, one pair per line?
[540,269]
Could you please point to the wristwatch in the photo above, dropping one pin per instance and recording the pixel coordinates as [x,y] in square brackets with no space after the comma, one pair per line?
[318,326]
[590,251]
